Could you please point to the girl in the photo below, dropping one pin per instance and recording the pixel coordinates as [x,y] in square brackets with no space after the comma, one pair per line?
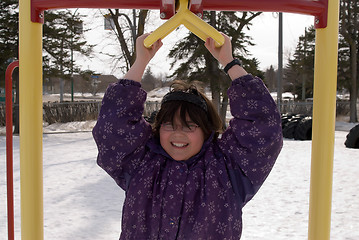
[181,181]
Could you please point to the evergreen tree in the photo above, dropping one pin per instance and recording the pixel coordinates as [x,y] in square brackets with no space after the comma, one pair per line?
[344,69]
[149,81]
[8,35]
[299,73]
[63,35]
[300,70]
[349,29]
[270,79]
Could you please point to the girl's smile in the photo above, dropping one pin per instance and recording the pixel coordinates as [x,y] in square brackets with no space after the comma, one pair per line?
[179,145]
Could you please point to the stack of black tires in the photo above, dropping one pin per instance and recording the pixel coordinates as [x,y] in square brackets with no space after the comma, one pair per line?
[297,126]
[352,140]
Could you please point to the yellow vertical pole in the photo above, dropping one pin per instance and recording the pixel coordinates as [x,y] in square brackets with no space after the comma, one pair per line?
[325,79]
[30,66]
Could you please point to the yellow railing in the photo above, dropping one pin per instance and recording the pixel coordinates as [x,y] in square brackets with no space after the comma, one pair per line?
[325,86]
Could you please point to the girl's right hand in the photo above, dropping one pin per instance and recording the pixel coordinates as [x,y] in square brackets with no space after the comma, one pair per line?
[143,57]
[144,54]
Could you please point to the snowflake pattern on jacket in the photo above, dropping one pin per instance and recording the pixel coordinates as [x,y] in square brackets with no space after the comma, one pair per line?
[197,199]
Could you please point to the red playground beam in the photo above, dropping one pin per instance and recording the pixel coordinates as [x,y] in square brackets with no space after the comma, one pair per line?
[316,8]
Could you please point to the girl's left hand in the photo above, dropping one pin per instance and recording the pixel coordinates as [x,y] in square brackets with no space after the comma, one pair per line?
[224,53]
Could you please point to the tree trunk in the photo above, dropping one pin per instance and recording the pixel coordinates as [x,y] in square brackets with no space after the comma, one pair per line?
[223,111]
[354,88]
[218,82]
[213,69]
[214,81]
[349,28]
[136,29]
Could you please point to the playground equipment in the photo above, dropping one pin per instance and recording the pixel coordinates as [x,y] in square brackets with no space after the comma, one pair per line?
[9,153]
[326,13]
[190,20]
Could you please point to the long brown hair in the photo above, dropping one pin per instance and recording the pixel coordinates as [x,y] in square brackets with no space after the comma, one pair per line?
[209,121]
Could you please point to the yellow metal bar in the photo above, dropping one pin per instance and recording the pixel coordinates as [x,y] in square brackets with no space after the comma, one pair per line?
[202,29]
[325,79]
[31,176]
[163,30]
[192,22]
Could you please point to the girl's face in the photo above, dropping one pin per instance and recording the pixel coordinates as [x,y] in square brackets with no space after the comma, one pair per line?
[179,141]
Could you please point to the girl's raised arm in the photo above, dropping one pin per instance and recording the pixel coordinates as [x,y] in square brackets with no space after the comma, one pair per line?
[143,57]
[224,56]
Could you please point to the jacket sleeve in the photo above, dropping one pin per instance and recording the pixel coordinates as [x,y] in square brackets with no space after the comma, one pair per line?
[253,140]
[121,132]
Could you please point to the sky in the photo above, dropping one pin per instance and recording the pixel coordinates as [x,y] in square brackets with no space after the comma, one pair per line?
[264,32]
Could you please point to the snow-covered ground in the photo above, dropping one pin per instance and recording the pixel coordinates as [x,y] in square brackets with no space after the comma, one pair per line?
[82,202]
[67,97]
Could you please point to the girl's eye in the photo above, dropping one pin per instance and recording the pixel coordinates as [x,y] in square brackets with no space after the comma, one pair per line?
[190,128]
[167,126]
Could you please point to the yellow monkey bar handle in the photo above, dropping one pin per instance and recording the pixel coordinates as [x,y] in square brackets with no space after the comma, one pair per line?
[191,21]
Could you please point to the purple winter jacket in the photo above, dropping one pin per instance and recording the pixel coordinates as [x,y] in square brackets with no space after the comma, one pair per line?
[197,199]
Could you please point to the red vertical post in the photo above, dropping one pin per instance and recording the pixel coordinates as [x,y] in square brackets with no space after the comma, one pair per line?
[9,157]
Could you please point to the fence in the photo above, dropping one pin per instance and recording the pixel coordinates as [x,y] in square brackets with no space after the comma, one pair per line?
[83,111]
[63,112]
[74,111]
[70,111]
[306,108]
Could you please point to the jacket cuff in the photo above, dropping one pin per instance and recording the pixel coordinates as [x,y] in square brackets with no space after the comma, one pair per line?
[244,78]
[129,82]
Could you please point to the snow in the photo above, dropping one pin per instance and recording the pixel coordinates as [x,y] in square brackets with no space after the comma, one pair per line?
[285,95]
[157,94]
[82,202]
[67,97]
